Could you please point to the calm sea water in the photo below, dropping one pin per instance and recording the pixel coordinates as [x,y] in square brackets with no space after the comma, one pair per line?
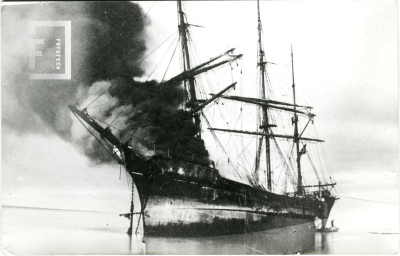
[48,232]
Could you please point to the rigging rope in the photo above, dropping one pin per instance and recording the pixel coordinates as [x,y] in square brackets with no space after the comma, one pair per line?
[284,162]
[156,48]
[223,149]
[100,95]
[79,98]
[162,58]
[102,104]
[367,200]
[314,169]
[292,170]
[170,60]
[149,10]
[199,84]
[116,116]
[325,157]
[322,170]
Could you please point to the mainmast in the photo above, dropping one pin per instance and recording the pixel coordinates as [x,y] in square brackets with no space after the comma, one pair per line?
[265,122]
[296,135]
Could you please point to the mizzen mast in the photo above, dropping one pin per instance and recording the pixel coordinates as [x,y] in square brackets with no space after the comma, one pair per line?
[296,134]
[265,122]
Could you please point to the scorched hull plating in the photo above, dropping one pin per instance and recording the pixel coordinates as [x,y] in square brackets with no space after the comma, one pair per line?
[175,206]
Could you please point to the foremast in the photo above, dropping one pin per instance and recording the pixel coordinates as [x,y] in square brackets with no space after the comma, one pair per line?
[183,33]
[192,104]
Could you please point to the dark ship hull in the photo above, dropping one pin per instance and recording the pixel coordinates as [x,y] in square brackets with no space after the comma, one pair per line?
[183,199]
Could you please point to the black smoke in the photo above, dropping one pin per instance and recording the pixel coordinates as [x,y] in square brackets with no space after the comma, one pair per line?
[107,42]
[169,129]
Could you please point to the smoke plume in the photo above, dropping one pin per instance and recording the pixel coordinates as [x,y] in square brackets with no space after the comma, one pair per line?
[108,42]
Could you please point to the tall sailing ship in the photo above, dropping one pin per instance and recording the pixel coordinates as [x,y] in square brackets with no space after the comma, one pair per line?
[186,192]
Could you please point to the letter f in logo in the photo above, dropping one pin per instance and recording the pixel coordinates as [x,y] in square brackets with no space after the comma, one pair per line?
[32,52]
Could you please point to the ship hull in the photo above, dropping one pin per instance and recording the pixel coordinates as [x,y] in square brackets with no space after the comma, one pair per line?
[175,206]
[170,217]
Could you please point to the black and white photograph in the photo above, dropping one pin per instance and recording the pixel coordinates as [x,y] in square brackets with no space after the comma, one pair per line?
[200,127]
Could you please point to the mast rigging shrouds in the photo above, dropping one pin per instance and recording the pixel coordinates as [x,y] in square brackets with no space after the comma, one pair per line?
[265,121]
[186,62]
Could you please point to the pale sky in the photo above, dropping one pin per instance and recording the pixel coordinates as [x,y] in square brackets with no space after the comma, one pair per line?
[346,67]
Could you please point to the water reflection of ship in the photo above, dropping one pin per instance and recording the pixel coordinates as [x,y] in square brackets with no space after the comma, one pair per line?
[185,194]
[320,242]
[288,240]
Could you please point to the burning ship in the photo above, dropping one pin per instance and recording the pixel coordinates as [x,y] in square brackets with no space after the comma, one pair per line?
[184,191]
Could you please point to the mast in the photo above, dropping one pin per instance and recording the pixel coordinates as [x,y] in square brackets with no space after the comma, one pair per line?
[186,61]
[265,121]
[296,134]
